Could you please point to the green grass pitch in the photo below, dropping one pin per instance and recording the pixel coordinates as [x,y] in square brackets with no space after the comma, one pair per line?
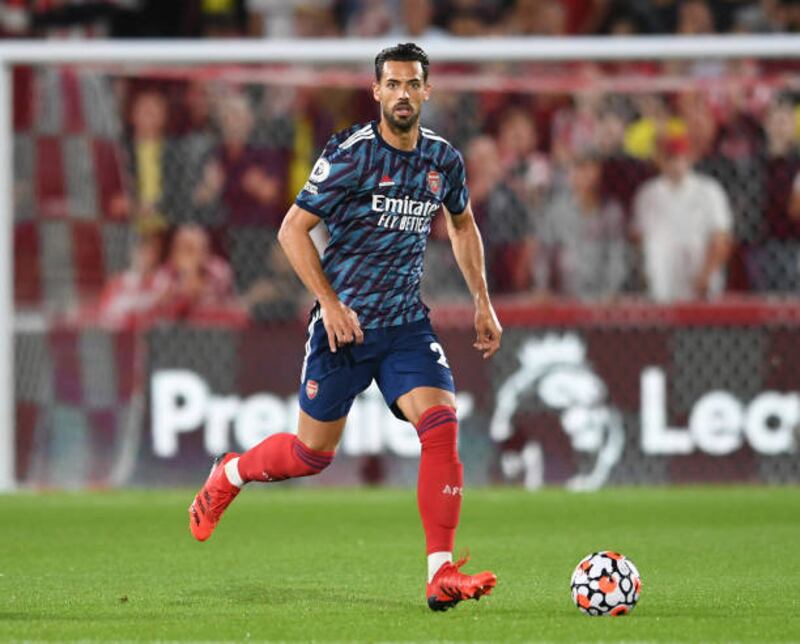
[718,564]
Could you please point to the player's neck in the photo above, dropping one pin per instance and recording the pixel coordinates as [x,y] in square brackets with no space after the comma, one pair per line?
[406,141]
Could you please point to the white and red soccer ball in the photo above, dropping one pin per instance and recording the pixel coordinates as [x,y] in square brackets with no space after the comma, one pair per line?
[606,583]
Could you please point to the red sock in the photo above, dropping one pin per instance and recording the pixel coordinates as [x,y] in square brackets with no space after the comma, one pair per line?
[279,457]
[441,477]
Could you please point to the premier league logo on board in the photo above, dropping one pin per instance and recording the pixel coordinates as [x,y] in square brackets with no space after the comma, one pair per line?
[556,370]
[434,181]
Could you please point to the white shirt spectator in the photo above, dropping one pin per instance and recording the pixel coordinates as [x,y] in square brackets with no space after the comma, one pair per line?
[676,222]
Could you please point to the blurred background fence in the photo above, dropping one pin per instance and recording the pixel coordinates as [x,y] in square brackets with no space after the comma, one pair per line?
[157,322]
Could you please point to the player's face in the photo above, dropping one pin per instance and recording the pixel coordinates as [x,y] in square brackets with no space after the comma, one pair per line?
[401,92]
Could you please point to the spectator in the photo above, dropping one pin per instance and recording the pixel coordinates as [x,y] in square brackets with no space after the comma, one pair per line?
[467,18]
[248,181]
[153,155]
[574,127]
[15,19]
[511,205]
[536,17]
[373,18]
[134,294]
[773,265]
[653,119]
[684,223]
[622,174]
[195,143]
[517,141]
[484,172]
[222,18]
[69,19]
[581,237]
[277,294]
[729,145]
[417,21]
[193,278]
[765,16]
[695,18]
[315,21]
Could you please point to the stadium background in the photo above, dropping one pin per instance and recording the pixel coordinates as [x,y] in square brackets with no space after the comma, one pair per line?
[126,174]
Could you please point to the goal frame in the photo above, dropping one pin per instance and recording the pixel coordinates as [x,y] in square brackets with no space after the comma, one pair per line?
[307,51]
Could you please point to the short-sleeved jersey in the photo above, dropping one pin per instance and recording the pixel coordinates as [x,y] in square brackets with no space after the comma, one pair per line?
[378,203]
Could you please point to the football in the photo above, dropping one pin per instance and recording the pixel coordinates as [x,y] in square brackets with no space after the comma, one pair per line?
[606,583]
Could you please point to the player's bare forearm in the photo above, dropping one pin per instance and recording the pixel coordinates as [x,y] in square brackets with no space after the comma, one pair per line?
[295,239]
[468,250]
[341,322]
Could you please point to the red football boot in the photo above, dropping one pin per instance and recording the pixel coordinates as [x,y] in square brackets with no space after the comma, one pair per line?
[212,499]
[449,586]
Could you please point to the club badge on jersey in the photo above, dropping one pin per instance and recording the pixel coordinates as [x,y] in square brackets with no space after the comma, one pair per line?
[434,181]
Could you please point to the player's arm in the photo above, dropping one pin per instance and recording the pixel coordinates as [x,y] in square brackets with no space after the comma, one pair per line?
[468,250]
[341,322]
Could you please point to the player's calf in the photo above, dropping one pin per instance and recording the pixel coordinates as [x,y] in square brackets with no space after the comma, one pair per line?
[440,484]
[279,457]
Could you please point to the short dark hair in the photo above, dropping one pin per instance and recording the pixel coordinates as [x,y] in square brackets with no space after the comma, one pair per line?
[407,51]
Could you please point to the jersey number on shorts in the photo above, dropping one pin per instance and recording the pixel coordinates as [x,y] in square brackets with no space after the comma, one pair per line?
[437,348]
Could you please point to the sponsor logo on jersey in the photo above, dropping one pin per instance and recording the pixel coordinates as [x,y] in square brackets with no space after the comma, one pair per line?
[434,181]
[385,181]
[320,171]
[403,206]
[311,188]
[312,387]
[404,214]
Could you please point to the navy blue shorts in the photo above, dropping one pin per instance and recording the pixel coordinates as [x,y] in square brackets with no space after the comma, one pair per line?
[398,358]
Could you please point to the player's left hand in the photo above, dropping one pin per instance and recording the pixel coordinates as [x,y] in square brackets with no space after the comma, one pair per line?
[488,330]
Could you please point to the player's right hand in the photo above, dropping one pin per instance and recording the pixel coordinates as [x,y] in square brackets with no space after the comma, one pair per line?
[342,325]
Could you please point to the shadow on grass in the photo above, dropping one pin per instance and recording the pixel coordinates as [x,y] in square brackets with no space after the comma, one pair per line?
[270,595]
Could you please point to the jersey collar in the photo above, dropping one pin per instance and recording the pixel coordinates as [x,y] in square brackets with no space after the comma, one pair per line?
[406,153]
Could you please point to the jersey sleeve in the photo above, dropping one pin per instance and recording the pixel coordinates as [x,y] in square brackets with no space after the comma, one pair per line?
[333,176]
[457,196]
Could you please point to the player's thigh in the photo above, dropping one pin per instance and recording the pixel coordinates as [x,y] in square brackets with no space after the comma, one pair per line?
[414,403]
[415,371]
[329,384]
[319,435]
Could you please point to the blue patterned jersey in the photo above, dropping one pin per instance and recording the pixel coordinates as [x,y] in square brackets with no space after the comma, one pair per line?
[378,202]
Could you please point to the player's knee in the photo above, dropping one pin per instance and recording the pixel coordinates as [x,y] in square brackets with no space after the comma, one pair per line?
[438,431]
[312,461]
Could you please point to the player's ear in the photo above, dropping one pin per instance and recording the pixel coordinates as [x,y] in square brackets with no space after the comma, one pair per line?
[376,91]
[426,94]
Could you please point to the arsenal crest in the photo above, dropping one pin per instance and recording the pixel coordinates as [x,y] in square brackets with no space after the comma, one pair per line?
[311,389]
[434,181]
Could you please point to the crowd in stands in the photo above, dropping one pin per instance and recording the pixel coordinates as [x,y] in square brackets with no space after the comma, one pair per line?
[677,191]
[676,196]
[395,18]
[672,195]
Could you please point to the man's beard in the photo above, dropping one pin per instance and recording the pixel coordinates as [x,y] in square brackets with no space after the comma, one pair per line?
[404,125]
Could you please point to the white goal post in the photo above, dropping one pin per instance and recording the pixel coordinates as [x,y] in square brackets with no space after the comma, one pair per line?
[308,51]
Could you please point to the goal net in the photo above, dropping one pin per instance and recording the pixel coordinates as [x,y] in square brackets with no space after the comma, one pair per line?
[157,322]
